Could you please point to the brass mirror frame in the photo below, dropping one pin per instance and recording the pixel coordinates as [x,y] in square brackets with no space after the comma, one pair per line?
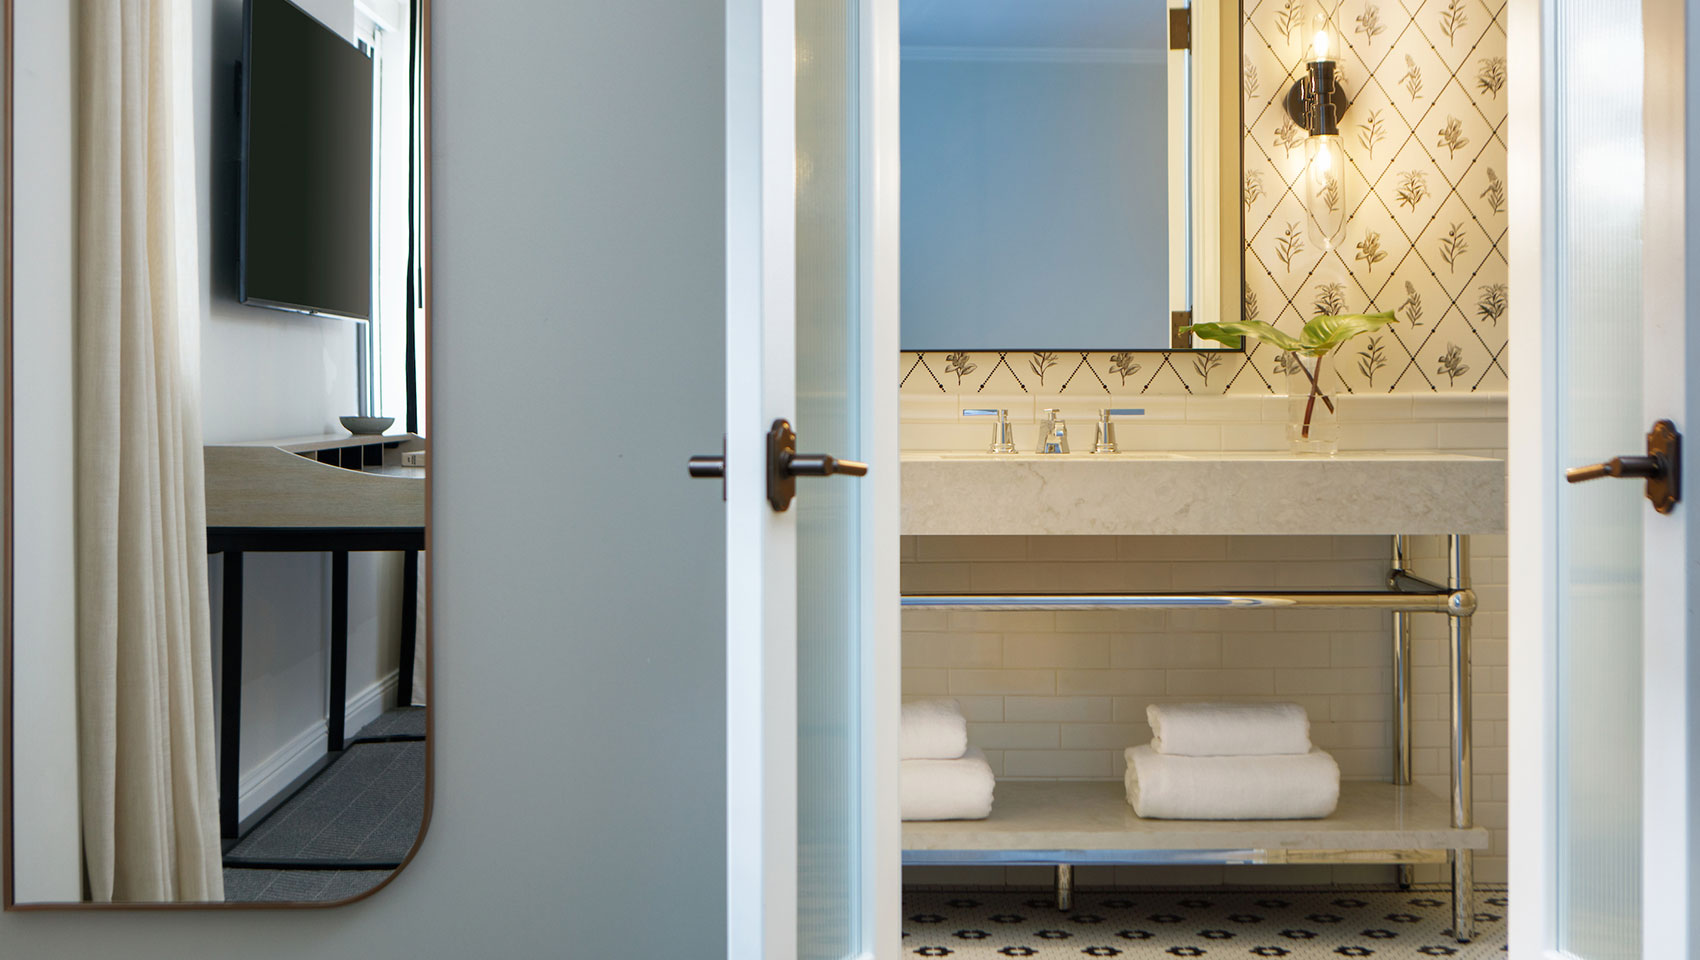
[7,488]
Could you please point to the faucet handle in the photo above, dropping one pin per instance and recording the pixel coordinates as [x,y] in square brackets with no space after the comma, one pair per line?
[1003,436]
[1106,440]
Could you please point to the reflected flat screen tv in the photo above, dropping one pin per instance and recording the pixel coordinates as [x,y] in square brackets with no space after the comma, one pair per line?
[306,231]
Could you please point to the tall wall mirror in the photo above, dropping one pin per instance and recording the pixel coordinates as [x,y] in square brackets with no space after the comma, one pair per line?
[218,677]
[1071,173]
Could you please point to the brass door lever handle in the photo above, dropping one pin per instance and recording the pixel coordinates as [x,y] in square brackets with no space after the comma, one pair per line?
[785,465]
[1632,467]
[1661,467]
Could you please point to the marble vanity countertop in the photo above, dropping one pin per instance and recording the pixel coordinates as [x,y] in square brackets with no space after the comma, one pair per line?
[1214,493]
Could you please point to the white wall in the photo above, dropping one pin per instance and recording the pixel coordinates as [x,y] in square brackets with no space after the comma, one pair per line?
[48,851]
[578,753]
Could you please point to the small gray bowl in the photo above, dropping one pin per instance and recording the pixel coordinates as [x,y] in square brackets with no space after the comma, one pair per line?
[366,426]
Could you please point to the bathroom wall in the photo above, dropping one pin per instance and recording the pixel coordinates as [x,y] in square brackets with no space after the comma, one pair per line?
[1060,695]
[1425,142]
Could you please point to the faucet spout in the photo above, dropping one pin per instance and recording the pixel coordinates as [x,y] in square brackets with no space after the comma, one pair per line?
[1053,432]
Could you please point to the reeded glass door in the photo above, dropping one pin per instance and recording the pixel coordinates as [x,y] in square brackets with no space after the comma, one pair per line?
[1600,720]
[829,361]
[1598,208]
[812,633]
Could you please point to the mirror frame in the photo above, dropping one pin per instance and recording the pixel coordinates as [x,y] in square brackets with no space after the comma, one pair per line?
[1208,86]
[7,505]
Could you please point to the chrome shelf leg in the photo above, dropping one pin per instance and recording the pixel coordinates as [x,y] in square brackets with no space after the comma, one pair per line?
[1065,887]
[1458,637]
[1401,687]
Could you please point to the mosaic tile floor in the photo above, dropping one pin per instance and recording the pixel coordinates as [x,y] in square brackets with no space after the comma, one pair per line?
[1296,924]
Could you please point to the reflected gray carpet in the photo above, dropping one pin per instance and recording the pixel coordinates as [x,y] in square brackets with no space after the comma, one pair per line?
[367,806]
[286,886]
[404,721]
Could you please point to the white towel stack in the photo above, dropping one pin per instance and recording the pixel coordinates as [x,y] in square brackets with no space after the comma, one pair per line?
[942,778]
[1231,761]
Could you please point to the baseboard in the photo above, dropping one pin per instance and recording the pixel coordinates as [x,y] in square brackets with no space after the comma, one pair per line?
[277,772]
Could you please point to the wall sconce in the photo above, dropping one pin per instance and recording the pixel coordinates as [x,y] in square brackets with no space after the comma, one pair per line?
[1316,103]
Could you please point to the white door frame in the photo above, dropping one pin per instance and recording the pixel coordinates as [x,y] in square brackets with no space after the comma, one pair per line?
[1668,919]
[881,195]
[761,614]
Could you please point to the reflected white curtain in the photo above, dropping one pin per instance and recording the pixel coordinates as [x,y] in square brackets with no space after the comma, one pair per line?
[144,659]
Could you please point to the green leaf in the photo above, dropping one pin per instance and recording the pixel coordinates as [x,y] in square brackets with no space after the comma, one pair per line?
[1231,331]
[1324,333]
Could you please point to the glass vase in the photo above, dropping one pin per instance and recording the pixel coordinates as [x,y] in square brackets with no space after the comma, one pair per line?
[1313,390]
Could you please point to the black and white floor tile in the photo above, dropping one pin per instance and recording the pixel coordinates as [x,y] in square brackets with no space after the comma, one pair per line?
[1217,924]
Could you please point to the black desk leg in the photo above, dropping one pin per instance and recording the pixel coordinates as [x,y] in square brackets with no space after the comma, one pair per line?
[409,626]
[338,709]
[230,686]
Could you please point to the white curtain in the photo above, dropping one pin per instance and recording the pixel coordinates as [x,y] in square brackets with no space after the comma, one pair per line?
[144,659]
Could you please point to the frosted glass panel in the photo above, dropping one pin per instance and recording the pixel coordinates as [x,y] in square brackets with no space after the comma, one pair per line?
[1597,212]
[828,693]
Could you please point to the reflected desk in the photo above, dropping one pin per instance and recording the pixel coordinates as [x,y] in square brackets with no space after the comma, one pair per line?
[314,495]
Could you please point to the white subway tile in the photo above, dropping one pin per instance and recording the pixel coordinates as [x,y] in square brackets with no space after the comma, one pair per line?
[1275,650]
[1169,650]
[925,682]
[952,649]
[1056,650]
[1104,736]
[1110,682]
[1226,681]
[1003,681]
[1065,764]
[1073,548]
[972,548]
[1058,709]
[1013,736]
[1001,621]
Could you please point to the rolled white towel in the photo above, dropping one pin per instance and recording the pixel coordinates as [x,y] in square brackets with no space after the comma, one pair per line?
[948,789]
[1300,787]
[934,730]
[1228,729]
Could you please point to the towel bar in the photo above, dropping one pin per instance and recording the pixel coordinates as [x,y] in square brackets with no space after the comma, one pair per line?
[1457,603]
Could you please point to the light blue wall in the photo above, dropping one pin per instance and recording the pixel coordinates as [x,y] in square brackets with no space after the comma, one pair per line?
[1035,205]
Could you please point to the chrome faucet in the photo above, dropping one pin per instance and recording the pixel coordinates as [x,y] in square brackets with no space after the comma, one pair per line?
[1106,438]
[1003,437]
[1053,432]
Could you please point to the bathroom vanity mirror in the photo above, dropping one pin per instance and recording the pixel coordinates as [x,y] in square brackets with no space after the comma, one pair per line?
[1070,173]
[217,677]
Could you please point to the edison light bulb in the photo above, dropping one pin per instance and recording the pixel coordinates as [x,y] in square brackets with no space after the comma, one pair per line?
[1325,191]
[1323,28]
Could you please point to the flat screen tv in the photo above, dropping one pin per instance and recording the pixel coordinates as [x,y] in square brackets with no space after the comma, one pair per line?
[306,232]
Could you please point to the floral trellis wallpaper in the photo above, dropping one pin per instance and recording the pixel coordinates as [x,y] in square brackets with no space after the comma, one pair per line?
[1425,140]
